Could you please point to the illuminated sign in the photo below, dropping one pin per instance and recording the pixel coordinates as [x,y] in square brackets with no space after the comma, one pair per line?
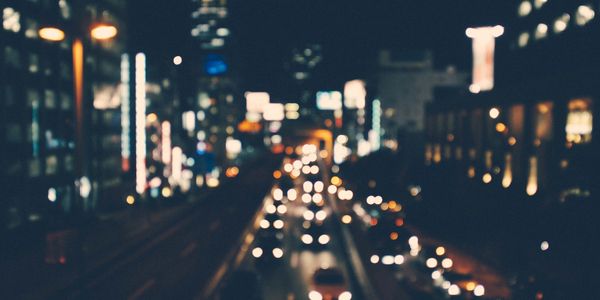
[355,94]
[140,123]
[484,43]
[214,64]
[125,119]
[256,101]
[274,112]
[329,100]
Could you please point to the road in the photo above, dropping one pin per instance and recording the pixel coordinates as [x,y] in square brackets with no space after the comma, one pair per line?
[291,276]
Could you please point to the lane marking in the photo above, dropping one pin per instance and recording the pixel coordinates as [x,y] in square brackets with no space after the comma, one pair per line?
[294,260]
[140,291]
[188,249]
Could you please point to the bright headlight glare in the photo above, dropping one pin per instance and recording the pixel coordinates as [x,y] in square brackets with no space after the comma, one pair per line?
[345,296]
[314,295]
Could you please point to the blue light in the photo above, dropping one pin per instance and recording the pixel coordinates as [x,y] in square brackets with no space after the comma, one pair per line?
[214,64]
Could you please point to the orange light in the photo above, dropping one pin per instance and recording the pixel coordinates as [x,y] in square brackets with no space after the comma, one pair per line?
[289,150]
[104,31]
[393,236]
[336,181]
[373,222]
[52,34]
[500,127]
[277,174]
[232,172]
[399,222]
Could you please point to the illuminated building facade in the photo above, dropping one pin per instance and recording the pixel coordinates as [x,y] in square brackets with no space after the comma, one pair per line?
[531,143]
[40,177]
[215,106]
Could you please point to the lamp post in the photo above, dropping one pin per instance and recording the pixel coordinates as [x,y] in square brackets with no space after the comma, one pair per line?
[98,31]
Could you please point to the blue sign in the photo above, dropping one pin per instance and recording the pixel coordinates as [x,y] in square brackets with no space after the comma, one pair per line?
[214,64]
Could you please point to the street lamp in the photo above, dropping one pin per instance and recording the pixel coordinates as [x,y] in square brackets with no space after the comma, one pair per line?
[98,31]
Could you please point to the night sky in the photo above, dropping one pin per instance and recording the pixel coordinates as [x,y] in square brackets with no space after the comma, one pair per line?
[350,32]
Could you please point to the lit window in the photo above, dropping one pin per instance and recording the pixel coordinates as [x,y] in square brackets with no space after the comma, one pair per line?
[584,14]
[65,9]
[539,3]
[561,23]
[525,8]
[523,39]
[32,28]
[34,63]
[543,121]
[11,19]
[541,31]
[579,122]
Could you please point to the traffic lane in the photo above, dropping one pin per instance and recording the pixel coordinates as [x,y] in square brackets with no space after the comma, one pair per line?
[495,284]
[184,257]
[291,277]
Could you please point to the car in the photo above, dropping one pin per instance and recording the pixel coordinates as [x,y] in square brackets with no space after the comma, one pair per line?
[315,236]
[329,284]
[268,247]
[242,284]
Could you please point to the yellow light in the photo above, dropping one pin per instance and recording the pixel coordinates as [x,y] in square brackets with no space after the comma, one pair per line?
[487,178]
[166,192]
[130,200]
[392,204]
[470,286]
[384,206]
[500,127]
[52,34]
[104,31]
[346,219]
[512,140]
[336,181]
[440,251]
[151,118]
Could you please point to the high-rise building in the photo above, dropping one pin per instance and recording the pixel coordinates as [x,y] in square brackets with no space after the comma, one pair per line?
[43,176]
[405,84]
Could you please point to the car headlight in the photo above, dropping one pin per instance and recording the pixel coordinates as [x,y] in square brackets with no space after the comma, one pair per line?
[324,239]
[277,252]
[314,295]
[307,239]
[345,296]
[257,252]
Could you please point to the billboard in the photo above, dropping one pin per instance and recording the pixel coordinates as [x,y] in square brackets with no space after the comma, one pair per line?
[329,100]
[484,43]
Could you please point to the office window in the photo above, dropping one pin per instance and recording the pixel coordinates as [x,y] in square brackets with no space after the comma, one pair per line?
[31,30]
[34,63]
[50,99]
[65,9]
[65,101]
[579,121]
[32,97]
[11,19]
[69,162]
[51,165]
[543,121]
[34,167]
